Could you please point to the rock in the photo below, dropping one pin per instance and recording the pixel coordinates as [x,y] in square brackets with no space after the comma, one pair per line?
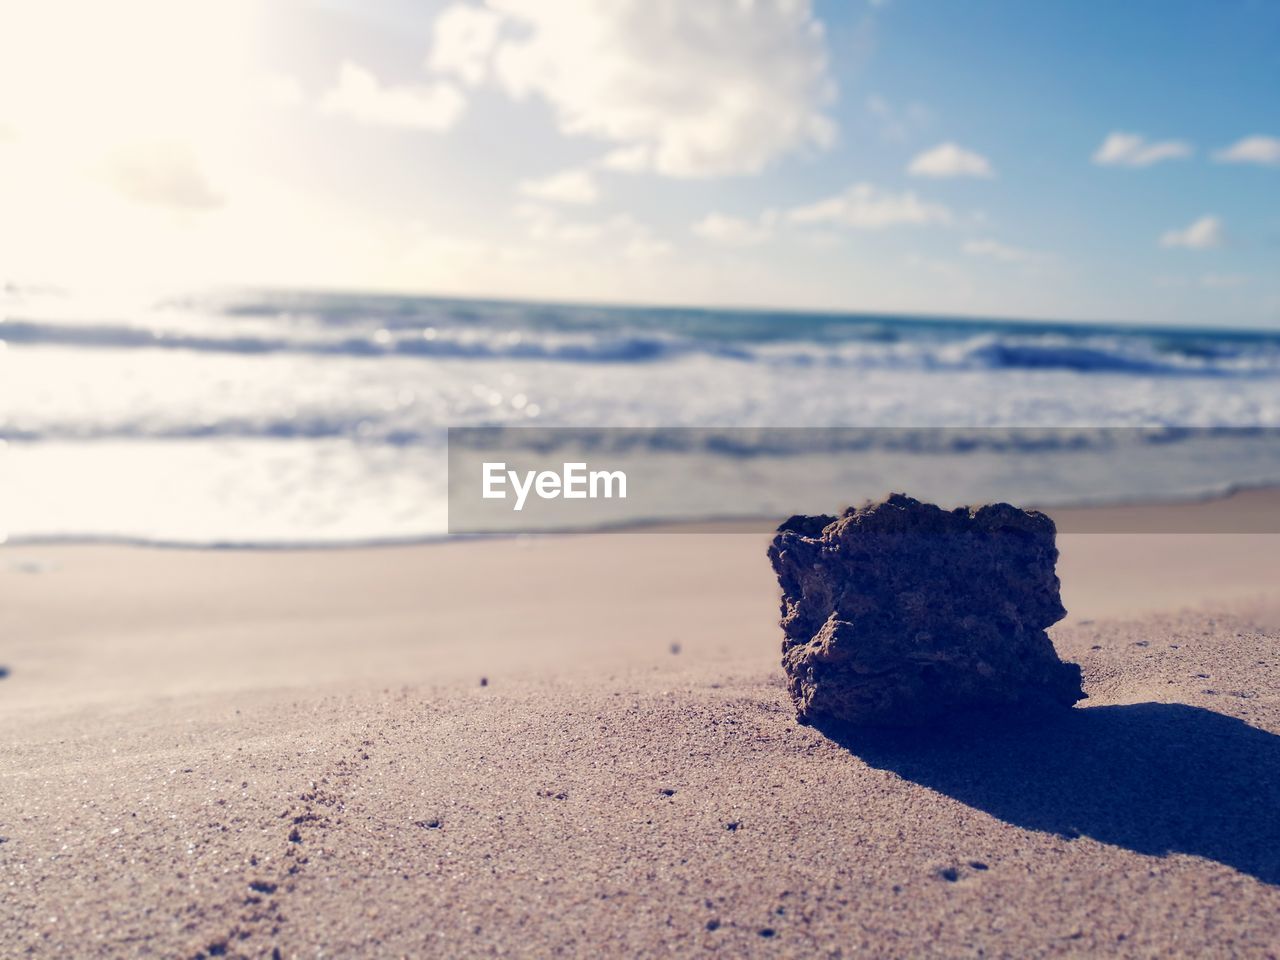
[897,613]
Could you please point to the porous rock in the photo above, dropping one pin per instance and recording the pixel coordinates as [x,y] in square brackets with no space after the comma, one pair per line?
[897,613]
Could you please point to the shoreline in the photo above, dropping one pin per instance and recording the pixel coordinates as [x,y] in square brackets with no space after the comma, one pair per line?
[1243,509]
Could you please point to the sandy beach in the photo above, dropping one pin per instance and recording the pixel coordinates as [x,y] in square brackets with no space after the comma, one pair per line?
[485,479]
[581,746]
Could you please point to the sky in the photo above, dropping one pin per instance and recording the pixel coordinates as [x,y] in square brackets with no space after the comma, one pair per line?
[1111,162]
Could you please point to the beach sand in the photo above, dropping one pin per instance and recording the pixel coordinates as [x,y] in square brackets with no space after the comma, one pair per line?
[581,746]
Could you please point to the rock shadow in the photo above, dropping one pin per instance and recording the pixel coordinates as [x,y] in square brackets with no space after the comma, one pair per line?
[1150,777]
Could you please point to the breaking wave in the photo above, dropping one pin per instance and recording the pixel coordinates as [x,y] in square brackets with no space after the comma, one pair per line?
[949,349]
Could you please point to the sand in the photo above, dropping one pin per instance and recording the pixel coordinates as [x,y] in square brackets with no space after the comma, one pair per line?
[294,754]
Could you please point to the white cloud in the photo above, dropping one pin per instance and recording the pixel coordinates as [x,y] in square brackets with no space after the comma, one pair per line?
[1000,251]
[547,224]
[683,89]
[360,96]
[635,159]
[950,160]
[1255,149]
[622,233]
[734,231]
[161,173]
[865,206]
[1204,234]
[1133,150]
[569,186]
[463,42]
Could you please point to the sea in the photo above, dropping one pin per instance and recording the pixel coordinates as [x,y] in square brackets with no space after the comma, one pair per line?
[296,419]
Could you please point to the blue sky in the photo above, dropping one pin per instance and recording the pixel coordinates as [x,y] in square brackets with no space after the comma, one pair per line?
[1047,159]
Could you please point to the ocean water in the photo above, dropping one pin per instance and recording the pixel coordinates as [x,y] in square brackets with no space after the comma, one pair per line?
[300,418]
